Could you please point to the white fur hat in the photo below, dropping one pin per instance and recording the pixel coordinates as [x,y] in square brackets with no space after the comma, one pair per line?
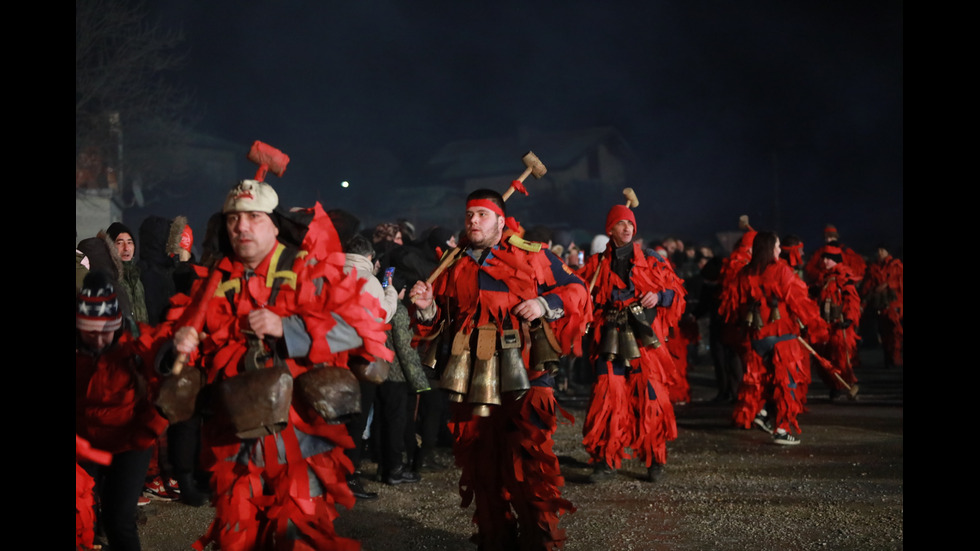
[251,196]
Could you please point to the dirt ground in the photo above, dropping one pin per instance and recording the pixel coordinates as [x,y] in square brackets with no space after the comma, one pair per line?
[724,488]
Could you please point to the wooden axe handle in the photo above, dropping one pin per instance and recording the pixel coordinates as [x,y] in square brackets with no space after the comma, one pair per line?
[447,261]
[194,315]
[824,362]
[595,276]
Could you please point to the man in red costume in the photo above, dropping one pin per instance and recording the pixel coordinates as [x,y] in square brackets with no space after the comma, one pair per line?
[883,291]
[840,306]
[500,292]
[770,302]
[276,308]
[638,299]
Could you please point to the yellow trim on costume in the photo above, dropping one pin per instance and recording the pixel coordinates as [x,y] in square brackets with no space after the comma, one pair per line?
[230,285]
[235,285]
[288,275]
[520,243]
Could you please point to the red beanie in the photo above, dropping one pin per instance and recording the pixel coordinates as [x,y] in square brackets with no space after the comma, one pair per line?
[617,213]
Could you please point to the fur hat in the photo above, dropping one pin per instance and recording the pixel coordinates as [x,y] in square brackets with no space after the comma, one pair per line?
[97,307]
[180,237]
[251,196]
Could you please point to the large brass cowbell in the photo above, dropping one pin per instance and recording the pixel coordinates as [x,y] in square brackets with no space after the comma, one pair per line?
[456,377]
[485,381]
[513,374]
[544,356]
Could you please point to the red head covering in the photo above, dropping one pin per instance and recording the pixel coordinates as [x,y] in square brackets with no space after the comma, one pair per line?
[793,254]
[186,238]
[617,213]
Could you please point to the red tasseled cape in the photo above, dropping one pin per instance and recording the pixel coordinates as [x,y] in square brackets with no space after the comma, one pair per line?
[522,272]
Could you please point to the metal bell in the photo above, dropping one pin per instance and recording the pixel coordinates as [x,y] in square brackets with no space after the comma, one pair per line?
[484,384]
[456,377]
[609,342]
[513,373]
[628,349]
[543,354]
[650,340]
[774,314]
[332,392]
[431,355]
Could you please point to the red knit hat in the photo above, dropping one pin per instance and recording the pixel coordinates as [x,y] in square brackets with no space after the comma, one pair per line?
[617,213]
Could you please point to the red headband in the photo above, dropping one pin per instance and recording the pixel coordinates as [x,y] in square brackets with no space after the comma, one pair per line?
[485,203]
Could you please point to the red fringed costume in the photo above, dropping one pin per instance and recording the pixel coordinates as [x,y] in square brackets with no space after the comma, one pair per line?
[679,340]
[840,306]
[630,412]
[84,498]
[883,291]
[768,307]
[509,470]
[280,491]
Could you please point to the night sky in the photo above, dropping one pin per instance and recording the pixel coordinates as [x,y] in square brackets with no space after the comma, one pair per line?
[791,112]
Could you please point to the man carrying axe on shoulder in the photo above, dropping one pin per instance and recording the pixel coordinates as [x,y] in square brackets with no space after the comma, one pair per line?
[274,310]
[510,308]
[638,298]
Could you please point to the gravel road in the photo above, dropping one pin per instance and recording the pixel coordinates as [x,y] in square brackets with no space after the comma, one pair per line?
[725,488]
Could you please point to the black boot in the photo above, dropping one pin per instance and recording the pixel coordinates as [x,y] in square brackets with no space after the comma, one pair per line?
[655,472]
[354,483]
[601,472]
[401,475]
[426,462]
[190,493]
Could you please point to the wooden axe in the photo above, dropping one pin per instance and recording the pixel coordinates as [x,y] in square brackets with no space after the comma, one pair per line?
[743,223]
[631,200]
[852,390]
[535,167]
[268,158]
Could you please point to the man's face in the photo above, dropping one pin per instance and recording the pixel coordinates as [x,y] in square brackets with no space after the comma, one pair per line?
[252,235]
[882,253]
[483,227]
[622,232]
[776,249]
[829,263]
[125,246]
[96,341]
